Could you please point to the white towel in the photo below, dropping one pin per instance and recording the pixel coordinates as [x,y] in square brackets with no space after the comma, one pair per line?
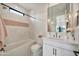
[3,32]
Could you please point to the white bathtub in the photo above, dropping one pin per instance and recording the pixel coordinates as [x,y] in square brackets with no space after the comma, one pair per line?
[20,48]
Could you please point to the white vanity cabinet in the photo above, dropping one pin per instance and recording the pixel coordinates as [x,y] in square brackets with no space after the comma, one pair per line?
[51,51]
[55,48]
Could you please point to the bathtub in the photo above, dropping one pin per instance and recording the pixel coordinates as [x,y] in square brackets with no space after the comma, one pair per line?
[20,48]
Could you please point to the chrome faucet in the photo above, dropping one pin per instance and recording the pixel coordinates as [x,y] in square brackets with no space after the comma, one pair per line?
[56,34]
[73,36]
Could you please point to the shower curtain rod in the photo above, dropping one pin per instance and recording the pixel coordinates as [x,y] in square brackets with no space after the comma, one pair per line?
[18,11]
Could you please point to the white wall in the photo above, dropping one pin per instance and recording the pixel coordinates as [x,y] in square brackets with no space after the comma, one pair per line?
[52,4]
[39,25]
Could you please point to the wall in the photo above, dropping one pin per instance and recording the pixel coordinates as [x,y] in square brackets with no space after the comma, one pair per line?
[52,4]
[39,25]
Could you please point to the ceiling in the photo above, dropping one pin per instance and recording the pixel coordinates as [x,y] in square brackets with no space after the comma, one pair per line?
[35,6]
[31,6]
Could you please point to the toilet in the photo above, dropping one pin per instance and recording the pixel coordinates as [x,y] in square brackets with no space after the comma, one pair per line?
[36,50]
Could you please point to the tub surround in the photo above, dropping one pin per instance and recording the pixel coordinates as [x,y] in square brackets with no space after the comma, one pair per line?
[18,46]
[3,34]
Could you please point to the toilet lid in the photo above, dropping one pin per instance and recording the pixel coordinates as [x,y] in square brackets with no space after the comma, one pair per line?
[35,47]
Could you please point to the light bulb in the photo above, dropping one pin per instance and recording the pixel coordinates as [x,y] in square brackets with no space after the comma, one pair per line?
[49,20]
[52,22]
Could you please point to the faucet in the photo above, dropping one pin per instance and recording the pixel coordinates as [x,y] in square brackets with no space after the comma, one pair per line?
[73,36]
[56,34]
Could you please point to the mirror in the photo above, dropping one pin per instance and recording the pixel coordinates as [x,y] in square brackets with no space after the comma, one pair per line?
[63,21]
[58,17]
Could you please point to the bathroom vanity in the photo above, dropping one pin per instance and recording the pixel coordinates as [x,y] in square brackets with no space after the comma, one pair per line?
[63,38]
[53,47]
[61,44]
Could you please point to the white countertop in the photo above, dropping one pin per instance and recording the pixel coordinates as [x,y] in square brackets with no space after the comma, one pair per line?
[69,45]
[64,41]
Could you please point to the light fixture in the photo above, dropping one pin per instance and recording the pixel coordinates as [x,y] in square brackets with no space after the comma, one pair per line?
[67,20]
[51,22]
[69,15]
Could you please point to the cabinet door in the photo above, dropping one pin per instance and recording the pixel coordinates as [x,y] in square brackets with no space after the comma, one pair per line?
[58,52]
[65,52]
[51,51]
[47,50]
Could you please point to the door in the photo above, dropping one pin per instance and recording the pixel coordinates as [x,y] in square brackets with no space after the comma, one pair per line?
[57,51]
[65,52]
[47,50]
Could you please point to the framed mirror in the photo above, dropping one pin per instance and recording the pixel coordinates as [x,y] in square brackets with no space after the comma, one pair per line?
[58,17]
